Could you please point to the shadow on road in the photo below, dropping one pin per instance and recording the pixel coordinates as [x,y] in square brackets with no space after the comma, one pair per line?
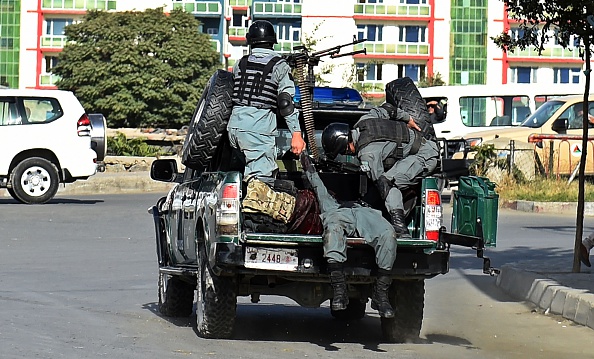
[55,201]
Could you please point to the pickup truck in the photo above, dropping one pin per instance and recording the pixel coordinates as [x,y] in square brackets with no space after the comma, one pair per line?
[203,242]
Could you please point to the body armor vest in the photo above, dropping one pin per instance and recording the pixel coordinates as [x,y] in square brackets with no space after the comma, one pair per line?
[377,129]
[254,85]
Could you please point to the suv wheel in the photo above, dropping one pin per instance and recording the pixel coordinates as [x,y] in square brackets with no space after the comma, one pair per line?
[216,301]
[408,300]
[209,122]
[34,181]
[176,297]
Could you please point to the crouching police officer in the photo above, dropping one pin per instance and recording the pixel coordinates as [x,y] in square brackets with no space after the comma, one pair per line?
[262,87]
[352,219]
[393,151]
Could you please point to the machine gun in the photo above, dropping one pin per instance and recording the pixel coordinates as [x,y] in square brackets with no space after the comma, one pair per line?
[306,80]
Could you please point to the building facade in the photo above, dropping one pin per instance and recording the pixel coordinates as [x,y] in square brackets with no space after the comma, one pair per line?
[415,38]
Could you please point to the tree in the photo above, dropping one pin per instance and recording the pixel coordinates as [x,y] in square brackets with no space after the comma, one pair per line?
[432,80]
[564,21]
[137,68]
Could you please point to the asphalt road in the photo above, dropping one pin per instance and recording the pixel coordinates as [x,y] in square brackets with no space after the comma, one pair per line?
[79,280]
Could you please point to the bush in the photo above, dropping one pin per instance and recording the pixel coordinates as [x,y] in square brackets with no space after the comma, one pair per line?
[120,145]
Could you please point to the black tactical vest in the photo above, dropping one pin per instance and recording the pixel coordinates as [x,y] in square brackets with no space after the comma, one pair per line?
[377,129]
[254,85]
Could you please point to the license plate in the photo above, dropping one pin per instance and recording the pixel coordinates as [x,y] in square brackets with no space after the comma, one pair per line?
[271,258]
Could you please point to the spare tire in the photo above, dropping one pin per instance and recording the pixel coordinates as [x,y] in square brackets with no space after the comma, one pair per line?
[209,122]
[98,141]
[403,93]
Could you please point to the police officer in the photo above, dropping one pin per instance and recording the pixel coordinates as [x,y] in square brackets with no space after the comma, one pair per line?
[262,87]
[342,220]
[393,151]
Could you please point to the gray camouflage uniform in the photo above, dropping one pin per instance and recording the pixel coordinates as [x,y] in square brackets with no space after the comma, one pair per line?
[253,130]
[406,170]
[358,221]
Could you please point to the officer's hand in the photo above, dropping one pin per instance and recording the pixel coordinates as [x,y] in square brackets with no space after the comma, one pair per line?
[412,124]
[297,143]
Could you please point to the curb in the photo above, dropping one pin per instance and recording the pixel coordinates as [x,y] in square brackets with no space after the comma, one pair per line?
[549,291]
[547,207]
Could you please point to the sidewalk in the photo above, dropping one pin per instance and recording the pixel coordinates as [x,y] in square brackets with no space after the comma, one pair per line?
[554,288]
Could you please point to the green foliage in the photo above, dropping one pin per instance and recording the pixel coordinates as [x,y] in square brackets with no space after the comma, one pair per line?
[484,158]
[310,42]
[431,80]
[544,21]
[139,69]
[544,190]
[122,146]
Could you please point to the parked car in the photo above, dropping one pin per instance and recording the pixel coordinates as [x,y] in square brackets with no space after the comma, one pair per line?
[556,123]
[46,138]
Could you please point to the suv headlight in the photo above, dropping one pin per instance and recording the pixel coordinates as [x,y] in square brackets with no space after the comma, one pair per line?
[473,142]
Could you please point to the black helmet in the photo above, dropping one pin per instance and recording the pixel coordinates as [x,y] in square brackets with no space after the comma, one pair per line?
[335,139]
[261,31]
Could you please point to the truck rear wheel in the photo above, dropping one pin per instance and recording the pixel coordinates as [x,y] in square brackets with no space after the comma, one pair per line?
[408,300]
[209,122]
[216,301]
[176,297]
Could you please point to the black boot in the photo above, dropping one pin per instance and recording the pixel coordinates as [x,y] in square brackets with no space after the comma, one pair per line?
[380,299]
[398,221]
[340,298]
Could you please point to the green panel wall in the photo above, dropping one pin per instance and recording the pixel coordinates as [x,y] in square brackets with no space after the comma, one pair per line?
[10,23]
[468,42]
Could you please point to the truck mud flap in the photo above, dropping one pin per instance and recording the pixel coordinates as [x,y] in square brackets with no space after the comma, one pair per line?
[161,258]
[446,239]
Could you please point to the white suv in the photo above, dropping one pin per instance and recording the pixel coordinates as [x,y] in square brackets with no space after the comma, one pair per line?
[46,138]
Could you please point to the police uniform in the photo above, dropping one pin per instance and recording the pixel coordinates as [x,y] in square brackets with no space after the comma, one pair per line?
[252,125]
[341,222]
[407,169]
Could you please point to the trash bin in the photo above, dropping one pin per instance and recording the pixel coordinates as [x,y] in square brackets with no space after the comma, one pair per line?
[476,198]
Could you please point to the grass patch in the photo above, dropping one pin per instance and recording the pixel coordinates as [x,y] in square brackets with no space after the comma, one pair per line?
[544,190]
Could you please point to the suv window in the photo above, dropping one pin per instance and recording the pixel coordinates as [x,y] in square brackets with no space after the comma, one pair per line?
[28,110]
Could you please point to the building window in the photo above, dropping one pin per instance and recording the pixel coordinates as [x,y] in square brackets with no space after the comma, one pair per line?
[370,32]
[370,1]
[56,26]
[50,63]
[212,31]
[523,75]
[360,72]
[6,43]
[415,72]
[374,72]
[411,34]
[564,75]
[288,32]
[413,2]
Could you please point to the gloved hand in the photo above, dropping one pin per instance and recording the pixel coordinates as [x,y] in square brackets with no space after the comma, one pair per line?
[306,163]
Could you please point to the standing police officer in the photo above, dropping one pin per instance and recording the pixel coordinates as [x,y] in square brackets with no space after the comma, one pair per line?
[393,151]
[352,219]
[262,87]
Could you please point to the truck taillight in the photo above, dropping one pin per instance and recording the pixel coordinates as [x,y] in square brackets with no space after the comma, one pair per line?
[83,126]
[433,215]
[228,209]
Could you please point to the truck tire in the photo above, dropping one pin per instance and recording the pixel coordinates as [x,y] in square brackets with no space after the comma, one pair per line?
[408,300]
[34,181]
[209,122]
[409,99]
[216,301]
[355,310]
[176,297]
[98,140]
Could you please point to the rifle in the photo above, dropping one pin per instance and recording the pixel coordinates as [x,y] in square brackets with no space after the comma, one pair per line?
[299,60]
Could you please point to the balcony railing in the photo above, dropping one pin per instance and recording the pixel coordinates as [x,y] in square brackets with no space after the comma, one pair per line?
[48,79]
[551,52]
[388,48]
[204,8]
[370,87]
[284,46]
[240,3]
[276,9]
[53,41]
[392,10]
[237,31]
[79,4]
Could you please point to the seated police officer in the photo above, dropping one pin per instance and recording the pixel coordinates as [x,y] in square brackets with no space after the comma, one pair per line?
[393,151]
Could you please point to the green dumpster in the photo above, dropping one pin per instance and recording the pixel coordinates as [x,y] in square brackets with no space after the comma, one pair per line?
[476,198]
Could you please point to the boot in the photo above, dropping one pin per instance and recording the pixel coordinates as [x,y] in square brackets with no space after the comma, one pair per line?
[398,221]
[585,247]
[340,298]
[380,299]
